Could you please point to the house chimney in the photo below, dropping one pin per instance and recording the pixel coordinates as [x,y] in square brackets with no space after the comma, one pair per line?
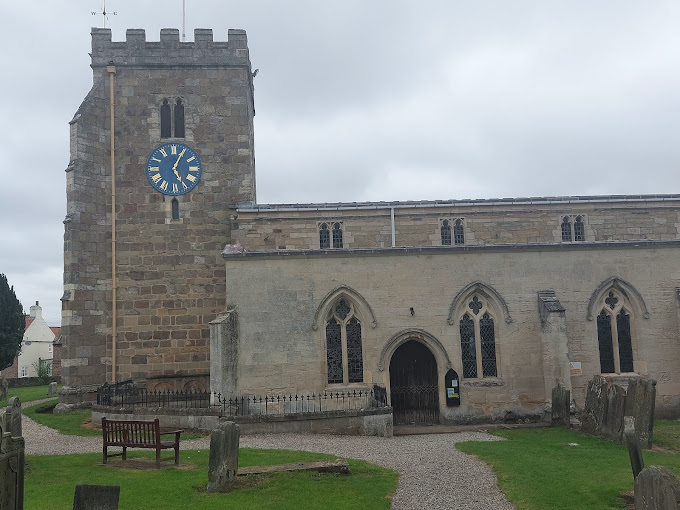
[36,311]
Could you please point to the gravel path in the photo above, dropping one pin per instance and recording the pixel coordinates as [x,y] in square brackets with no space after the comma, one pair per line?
[432,473]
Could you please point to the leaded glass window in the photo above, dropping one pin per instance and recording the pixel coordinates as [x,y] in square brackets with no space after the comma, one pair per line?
[166,126]
[614,336]
[488,344]
[467,347]
[458,233]
[478,340]
[324,237]
[179,119]
[334,351]
[344,335]
[337,235]
[566,229]
[446,233]
[579,229]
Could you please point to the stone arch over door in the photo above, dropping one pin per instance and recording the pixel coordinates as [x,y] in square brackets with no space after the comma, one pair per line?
[414,362]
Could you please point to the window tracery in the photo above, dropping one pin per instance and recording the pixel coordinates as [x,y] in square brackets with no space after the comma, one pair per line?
[573,229]
[478,340]
[614,334]
[330,231]
[344,346]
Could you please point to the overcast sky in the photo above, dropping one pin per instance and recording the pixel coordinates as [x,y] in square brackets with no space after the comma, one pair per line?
[366,101]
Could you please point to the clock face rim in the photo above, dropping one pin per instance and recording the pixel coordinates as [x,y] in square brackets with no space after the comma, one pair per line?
[165,166]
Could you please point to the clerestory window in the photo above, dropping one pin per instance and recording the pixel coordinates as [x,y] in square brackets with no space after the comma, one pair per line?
[573,230]
[446,232]
[344,349]
[458,232]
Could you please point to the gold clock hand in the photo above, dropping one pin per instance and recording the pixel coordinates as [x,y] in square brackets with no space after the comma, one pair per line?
[174,167]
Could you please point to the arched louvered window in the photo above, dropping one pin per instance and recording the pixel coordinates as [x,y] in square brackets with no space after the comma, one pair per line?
[566,229]
[614,335]
[337,235]
[324,236]
[166,123]
[458,232]
[579,229]
[179,119]
[446,233]
[343,334]
[478,340]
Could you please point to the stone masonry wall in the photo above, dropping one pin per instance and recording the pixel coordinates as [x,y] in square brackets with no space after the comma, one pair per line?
[485,222]
[279,294]
[170,278]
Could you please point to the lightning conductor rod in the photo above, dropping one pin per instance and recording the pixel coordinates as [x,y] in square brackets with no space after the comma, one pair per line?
[111,69]
[184,35]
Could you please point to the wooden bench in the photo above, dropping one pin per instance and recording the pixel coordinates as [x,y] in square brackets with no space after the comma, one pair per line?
[137,434]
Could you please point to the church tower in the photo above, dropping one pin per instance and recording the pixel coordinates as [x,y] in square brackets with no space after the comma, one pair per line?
[173,123]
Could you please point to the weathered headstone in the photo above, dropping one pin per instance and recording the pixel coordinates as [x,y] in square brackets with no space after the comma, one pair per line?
[603,413]
[223,462]
[96,497]
[4,388]
[52,388]
[656,488]
[634,451]
[640,401]
[11,418]
[11,471]
[561,406]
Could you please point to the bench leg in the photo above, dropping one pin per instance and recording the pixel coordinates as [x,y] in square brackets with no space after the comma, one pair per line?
[176,454]
[158,458]
[124,452]
[105,455]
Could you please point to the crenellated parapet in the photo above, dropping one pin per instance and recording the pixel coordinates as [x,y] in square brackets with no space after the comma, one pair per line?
[169,51]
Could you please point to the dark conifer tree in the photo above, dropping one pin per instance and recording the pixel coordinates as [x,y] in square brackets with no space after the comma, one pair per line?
[12,324]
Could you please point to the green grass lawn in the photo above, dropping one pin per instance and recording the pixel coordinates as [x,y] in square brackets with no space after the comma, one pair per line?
[667,434]
[537,469]
[70,423]
[27,394]
[51,480]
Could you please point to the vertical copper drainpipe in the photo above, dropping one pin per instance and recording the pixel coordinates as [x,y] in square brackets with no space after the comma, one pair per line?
[111,69]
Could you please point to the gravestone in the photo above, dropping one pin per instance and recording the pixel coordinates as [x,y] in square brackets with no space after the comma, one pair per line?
[656,488]
[640,399]
[52,388]
[634,451]
[11,470]
[4,387]
[603,413]
[96,497]
[561,406]
[223,462]
[11,418]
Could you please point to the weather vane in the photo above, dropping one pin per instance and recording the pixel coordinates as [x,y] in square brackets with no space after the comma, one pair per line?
[104,13]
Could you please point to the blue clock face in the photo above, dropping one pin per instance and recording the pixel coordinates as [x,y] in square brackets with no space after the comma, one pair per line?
[174,168]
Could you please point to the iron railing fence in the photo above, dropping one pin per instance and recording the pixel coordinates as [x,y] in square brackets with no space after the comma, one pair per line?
[125,394]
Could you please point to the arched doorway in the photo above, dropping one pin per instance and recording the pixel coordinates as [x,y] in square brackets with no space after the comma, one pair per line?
[414,385]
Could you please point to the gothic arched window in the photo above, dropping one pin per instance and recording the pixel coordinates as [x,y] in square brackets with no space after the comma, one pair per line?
[324,236]
[458,233]
[166,123]
[614,335]
[579,229]
[337,235]
[344,347]
[446,233]
[179,119]
[478,340]
[566,229]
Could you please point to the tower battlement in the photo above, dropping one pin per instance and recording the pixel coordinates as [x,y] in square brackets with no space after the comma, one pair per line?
[169,51]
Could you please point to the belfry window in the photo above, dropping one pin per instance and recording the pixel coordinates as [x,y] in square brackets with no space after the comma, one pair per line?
[172,119]
[179,119]
[446,233]
[458,232]
[166,122]
[614,336]
[344,348]
[478,341]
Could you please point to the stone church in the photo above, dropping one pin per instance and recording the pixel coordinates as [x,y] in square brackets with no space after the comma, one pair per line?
[463,310]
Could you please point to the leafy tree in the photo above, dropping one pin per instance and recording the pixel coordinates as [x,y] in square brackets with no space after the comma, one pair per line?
[12,324]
